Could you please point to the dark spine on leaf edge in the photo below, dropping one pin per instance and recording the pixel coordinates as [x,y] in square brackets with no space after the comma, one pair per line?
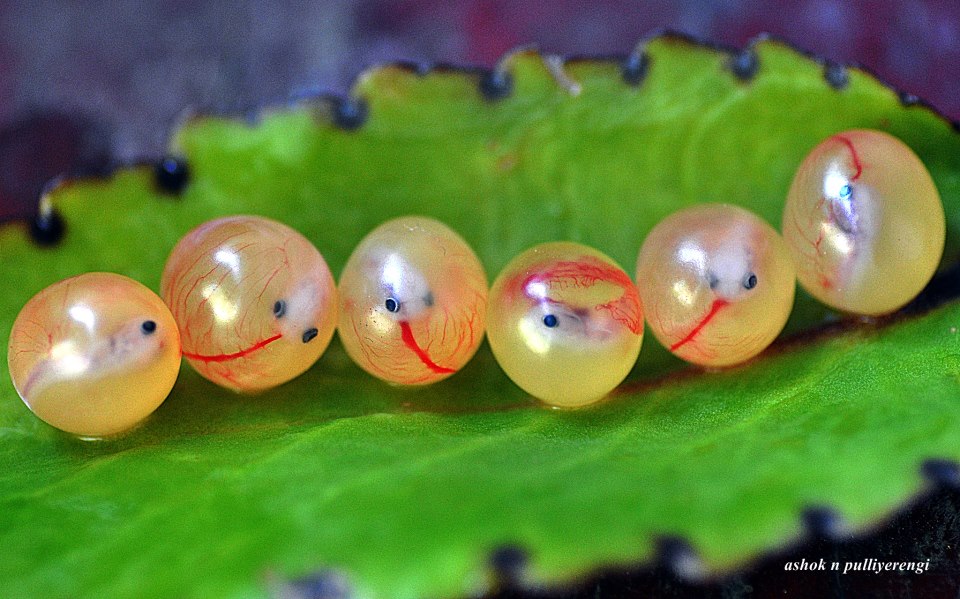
[47,227]
[907,99]
[676,556]
[744,64]
[412,66]
[349,114]
[942,472]
[635,69]
[171,175]
[324,584]
[496,84]
[822,523]
[508,564]
[836,75]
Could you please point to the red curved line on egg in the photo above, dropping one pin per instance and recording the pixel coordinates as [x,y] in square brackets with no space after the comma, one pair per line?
[853,153]
[406,333]
[717,305]
[586,271]
[227,357]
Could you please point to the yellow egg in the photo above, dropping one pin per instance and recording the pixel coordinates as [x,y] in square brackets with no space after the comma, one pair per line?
[413,302]
[717,284]
[864,223]
[95,354]
[565,323]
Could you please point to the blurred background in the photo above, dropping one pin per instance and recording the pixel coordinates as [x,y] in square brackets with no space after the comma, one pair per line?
[85,83]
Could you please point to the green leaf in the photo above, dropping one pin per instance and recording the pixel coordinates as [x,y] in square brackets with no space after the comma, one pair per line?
[407,491]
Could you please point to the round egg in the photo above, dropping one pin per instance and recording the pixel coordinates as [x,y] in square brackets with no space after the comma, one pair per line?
[864,223]
[254,300]
[413,302]
[717,283]
[95,354]
[565,323]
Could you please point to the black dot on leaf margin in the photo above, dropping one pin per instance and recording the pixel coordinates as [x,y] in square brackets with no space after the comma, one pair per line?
[678,557]
[907,99]
[635,69]
[496,84]
[350,114]
[171,175]
[942,472]
[836,75]
[324,584]
[745,64]
[822,523]
[508,564]
[417,68]
[47,228]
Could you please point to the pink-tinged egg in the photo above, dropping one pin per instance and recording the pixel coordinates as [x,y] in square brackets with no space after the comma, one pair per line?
[254,299]
[717,284]
[413,301]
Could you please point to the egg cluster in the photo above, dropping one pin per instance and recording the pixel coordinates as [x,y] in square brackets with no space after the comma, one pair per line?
[250,303]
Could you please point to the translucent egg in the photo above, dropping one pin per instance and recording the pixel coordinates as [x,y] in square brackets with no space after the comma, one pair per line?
[565,323]
[413,301]
[255,301]
[95,354]
[864,223]
[717,284]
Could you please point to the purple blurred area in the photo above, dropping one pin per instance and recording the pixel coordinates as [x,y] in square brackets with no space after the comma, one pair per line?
[80,81]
